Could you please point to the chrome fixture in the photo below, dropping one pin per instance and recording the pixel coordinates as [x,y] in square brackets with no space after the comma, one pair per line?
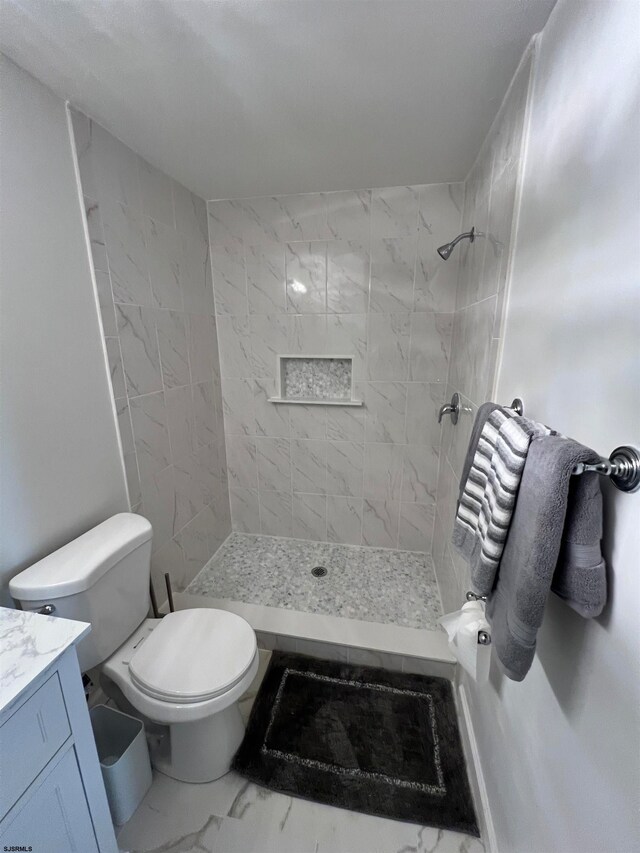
[622,467]
[319,572]
[445,251]
[47,609]
[471,596]
[484,637]
[452,408]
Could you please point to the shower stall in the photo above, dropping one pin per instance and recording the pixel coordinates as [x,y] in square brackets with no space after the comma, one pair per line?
[278,364]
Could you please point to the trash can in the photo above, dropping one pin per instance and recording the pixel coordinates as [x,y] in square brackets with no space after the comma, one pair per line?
[124,760]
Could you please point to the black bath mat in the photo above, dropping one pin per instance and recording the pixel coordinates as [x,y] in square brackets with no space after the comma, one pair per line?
[384,743]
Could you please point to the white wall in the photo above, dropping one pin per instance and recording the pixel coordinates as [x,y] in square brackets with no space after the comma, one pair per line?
[560,750]
[61,471]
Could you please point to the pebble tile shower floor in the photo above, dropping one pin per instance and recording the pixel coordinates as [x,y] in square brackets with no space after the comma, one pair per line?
[371,584]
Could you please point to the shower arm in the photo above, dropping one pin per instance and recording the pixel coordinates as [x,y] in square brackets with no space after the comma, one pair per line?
[445,251]
[471,235]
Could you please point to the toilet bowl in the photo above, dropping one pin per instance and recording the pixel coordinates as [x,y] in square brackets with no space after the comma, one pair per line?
[185,671]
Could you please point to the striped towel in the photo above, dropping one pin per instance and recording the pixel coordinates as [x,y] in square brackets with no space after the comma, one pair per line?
[489,495]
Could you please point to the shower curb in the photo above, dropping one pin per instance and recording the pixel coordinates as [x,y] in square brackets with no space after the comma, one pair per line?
[411,650]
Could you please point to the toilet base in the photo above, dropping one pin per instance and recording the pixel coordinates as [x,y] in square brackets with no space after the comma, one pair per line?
[203,750]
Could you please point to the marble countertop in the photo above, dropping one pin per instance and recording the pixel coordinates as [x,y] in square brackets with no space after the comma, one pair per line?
[29,644]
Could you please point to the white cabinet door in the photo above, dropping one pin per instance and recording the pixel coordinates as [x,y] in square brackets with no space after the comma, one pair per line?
[55,817]
[29,739]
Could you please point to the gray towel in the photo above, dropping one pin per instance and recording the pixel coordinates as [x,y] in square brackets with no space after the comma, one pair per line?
[478,425]
[553,543]
[489,494]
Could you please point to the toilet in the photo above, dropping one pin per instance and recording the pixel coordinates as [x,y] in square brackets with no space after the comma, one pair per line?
[185,671]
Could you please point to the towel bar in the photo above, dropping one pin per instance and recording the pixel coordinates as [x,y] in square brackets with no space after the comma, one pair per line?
[622,467]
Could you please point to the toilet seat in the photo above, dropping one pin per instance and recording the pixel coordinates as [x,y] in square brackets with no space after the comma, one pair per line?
[167,711]
[193,656]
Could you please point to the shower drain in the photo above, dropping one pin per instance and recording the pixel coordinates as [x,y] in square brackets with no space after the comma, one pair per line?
[318,571]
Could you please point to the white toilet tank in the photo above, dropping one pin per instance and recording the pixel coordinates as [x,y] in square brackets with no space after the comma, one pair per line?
[102,577]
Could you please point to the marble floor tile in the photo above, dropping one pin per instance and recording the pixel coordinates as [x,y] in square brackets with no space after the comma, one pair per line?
[240,836]
[366,583]
[233,815]
[176,817]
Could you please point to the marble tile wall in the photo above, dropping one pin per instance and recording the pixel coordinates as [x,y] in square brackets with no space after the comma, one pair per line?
[149,243]
[344,273]
[490,200]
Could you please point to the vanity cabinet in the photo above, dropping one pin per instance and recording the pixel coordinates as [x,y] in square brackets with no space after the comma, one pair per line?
[55,816]
[52,796]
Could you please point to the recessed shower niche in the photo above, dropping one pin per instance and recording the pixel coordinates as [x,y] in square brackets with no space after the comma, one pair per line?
[325,380]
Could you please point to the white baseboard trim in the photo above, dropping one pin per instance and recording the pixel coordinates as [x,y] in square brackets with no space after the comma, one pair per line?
[477,782]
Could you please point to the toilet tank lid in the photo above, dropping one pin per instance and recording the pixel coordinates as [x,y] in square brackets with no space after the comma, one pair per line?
[78,565]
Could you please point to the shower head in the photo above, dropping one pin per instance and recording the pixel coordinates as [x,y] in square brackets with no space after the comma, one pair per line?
[445,251]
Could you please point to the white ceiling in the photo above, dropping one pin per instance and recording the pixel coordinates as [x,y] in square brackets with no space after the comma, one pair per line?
[251,97]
